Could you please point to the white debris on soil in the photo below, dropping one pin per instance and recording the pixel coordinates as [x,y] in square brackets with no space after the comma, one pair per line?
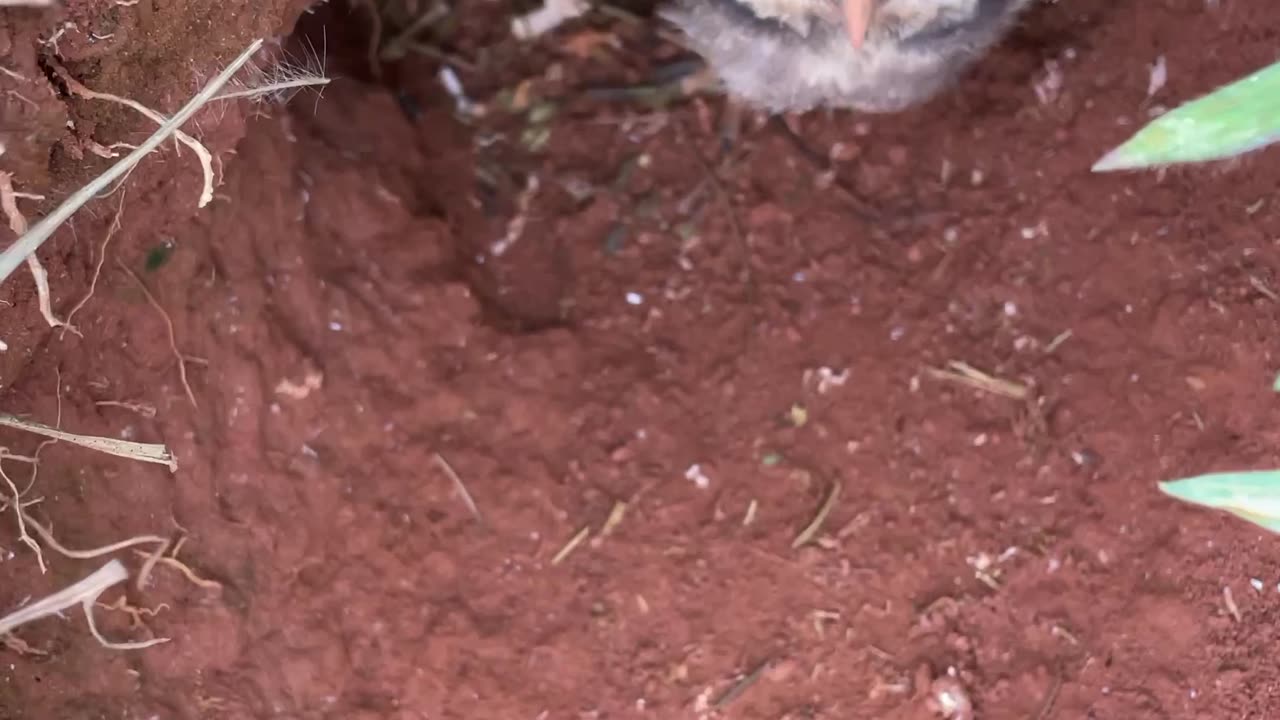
[695,475]
[1159,76]
[948,698]
[546,18]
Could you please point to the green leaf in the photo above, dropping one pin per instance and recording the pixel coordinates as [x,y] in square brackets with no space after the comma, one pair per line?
[1250,495]
[1234,119]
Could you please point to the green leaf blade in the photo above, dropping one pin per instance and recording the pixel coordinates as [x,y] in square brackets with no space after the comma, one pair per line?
[1237,118]
[1253,495]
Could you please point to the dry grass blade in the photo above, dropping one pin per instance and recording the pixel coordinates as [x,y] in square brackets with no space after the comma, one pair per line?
[143,452]
[965,374]
[811,531]
[17,253]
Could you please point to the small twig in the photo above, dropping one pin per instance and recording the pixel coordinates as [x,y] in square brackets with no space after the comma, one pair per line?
[1050,698]
[811,531]
[965,374]
[616,515]
[168,324]
[460,486]
[1262,287]
[572,545]
[737,689]
[1057,341]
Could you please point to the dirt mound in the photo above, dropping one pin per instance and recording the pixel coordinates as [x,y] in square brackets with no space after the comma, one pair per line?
[441,464]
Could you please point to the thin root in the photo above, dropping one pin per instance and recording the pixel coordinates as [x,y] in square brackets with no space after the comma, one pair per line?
[23,536]
[18,224]
[168,324]
[811,531]
[102,257]
[206,158]
[183,568]
[135,612]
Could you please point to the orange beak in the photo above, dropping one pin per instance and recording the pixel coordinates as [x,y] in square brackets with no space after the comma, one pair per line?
[857,18]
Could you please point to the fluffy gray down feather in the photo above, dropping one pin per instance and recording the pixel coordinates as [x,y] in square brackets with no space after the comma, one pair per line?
[795,55]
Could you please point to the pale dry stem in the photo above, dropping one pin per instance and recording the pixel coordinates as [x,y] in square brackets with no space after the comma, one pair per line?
[142,452]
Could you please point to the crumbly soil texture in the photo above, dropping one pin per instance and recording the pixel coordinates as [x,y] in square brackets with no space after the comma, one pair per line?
[571,402]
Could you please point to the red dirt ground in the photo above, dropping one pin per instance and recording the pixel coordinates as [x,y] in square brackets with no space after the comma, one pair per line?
[1016,550]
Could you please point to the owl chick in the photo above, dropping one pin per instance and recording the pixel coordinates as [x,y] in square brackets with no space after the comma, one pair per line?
[878,56]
